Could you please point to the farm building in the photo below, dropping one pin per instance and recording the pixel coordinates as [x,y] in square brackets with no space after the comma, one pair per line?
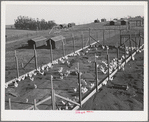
[96,21]
[63,26]
[56,41]
[39,41]
[112,23]
[103,20]
[71,24]
[136,21]
[124,22]
[10,27]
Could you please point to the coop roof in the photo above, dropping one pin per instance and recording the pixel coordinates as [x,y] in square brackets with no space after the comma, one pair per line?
[57,38]
[41,38]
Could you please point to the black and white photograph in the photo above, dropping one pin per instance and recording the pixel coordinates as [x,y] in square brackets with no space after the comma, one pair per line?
[74,61]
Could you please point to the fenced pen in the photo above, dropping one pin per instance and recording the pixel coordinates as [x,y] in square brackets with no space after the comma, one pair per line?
[63,73]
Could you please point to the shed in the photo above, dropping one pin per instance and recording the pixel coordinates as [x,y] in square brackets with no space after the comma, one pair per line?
[123,22]
[112,23]
[103,20]
[71,24]
[39,41]
[63,26]
[136,21]
[56,42]
[96,21]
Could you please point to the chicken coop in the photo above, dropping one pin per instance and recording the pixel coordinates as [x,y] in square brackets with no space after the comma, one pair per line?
[39,41]
[56,42]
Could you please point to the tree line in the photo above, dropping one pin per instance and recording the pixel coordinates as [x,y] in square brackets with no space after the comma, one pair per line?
[26,23]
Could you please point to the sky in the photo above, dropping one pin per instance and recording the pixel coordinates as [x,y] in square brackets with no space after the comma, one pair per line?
[79,13]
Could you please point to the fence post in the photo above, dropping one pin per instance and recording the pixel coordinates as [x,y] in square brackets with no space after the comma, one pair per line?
[52,94]
[80,97]
[82,40]
[108,64]
[103,37]
[9,103]
[17,66]
[89,37]
[51,51]
[125,52]
[117,56]
[135,40]
[53,97]
[73,43]
[120,37]
[97,35]
[34,104]
[35,57]
[96,74]
[139,39]
[79,81]
[63,47]
[130,45]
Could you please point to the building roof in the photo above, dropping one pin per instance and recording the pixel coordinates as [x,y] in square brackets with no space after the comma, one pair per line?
[113,21]
[41,38]
[72,23]
[135,19]
[124,20]
[57,38]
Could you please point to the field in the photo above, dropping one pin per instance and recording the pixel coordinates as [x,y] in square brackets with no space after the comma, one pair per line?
[13,34]
[25,93]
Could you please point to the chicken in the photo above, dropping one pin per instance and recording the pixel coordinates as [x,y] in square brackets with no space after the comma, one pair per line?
[15,84]
[103,47]
[60,69]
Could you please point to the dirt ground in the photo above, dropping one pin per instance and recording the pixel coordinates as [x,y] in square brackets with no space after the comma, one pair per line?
[107,99]
[118,99]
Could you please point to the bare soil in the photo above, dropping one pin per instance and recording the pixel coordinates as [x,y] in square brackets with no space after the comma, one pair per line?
[110,98]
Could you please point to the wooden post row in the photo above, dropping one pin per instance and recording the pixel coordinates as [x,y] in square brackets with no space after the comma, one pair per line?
[35,57]
[51,51]
[17,66]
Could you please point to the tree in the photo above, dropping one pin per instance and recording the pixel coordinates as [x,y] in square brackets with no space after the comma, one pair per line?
[24,22]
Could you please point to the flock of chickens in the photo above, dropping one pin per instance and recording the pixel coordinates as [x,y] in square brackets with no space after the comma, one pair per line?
[85,86]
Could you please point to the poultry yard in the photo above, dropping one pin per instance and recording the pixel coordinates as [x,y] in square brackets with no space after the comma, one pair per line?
[124,91]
